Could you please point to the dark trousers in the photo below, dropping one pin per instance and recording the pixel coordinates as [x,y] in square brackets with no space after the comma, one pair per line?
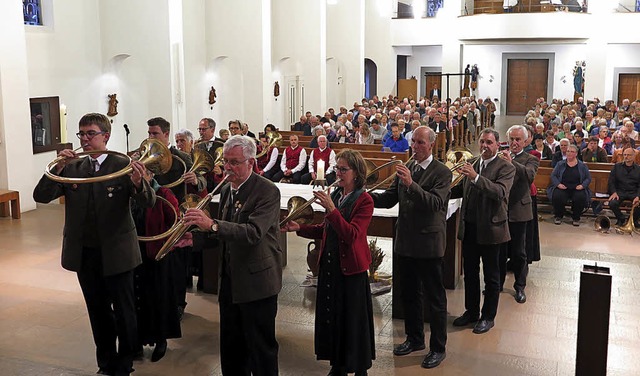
[614,205]
[515,250]
[248,344]
[179,266]
[417,275]
[560,198]
[471,255]
[269,174]
[111,308]
[307,178]
[295,177]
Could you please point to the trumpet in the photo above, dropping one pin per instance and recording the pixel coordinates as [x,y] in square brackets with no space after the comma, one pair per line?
[298,208]
[180,228]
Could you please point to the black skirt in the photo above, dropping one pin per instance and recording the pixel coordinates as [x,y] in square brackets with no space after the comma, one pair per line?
[344,332]
[533,234]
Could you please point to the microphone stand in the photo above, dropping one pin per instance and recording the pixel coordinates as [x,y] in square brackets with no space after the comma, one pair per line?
[126,130]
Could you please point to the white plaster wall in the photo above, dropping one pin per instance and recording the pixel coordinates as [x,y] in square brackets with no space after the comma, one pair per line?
[378,46]
[142,80]
[17,171]
[197,84]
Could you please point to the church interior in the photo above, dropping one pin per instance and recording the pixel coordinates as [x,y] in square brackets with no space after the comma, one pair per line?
[162,58]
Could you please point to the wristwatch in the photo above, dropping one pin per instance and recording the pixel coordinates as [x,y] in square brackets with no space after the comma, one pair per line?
[214,227]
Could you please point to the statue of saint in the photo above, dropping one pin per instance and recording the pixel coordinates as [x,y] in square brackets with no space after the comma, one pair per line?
[113,105]
[212,96]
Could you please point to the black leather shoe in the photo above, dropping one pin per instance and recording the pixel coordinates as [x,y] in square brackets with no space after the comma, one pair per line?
[483,326]
[521,297]
[159,350]
[104,371]
[337,371]
[465,319]
[433,359]
[407,347]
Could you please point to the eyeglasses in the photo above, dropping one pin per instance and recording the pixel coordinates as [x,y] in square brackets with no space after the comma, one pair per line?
[342,170]
[90,134]
[233,128]
[234,163]
[202,129]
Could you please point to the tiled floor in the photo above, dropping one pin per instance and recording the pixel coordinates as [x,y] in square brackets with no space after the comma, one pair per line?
[44,329]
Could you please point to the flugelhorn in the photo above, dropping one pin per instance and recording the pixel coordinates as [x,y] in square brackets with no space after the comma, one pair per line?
[202,163]
[180,228]
[300,208]
[155,156]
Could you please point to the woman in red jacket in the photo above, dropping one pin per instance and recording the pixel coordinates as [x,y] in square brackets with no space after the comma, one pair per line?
[344,316]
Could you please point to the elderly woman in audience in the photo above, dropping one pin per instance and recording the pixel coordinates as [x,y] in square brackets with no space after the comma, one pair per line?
[604,141]
[540,146]
[318,130]
[626,142]
[343,136]
[570,180]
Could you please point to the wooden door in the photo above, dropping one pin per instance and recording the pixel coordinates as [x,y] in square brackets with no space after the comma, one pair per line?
[434,80]
[526,81]
[408,88]
[628,85]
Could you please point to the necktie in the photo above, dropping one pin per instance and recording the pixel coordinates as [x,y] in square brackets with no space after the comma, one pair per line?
[481,167]
[416,169]
[95,166]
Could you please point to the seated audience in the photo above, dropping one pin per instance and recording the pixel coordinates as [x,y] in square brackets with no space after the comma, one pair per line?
[570,180]
[561,154]
[550,141]
[378,132]
[364,136]
[578,141]
[317,131]
[541,147]
[343,136]
[603,139]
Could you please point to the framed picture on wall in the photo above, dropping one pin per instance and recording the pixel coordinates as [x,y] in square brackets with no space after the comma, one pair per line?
[45,123]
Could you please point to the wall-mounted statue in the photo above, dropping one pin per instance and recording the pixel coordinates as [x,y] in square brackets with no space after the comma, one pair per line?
[212,96]
[113,105]
[474,76]
[276,90]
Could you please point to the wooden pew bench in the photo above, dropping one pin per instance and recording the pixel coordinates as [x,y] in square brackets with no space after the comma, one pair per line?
[9,199]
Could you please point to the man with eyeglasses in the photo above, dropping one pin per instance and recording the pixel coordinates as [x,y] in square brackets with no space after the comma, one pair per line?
[207,130]
[235,127]
[100,242]
[159,129]
[247,225]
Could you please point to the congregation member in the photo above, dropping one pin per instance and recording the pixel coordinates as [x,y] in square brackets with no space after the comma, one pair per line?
[100,242]
[422,190]
[235,127]
[561,153]
[344,331]
[364,136]
[578,141]
[293,162]
[519,210]
[541,147]
[378,131]
[250,274]
[593,152]
[570,180]
[325,154]
[483,227]
[624,184]
[396,143]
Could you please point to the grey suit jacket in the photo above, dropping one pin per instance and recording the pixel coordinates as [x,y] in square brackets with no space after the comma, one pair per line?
[490,209]
[252,239]
[520,195]
[421,226]
[115,227]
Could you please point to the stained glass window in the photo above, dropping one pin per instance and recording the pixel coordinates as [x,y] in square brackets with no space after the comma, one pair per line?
[434,5]
[32,12]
